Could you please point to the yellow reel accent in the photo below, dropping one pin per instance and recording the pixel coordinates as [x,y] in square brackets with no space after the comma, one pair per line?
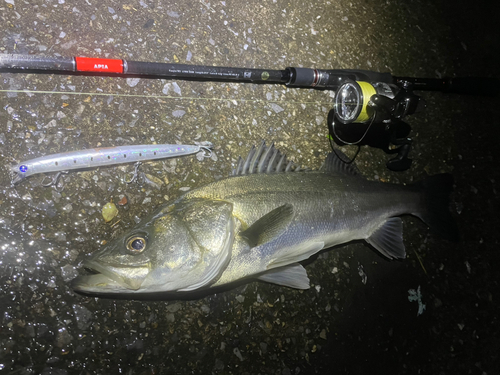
[367,91]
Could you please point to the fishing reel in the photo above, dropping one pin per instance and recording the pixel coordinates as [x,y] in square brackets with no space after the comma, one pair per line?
[371,113]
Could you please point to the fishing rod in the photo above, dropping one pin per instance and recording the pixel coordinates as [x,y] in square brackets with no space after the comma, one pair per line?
[369,107]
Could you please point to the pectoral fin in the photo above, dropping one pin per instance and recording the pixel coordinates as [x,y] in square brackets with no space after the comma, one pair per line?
[269,226]
[293,276]
[388,239]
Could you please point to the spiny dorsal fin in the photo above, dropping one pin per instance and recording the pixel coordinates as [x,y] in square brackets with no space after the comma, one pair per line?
[264,159]
[338,162]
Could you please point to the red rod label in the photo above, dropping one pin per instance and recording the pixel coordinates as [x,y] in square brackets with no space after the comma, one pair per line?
[90,64]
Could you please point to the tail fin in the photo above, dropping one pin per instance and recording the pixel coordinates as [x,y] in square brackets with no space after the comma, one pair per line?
[435,211]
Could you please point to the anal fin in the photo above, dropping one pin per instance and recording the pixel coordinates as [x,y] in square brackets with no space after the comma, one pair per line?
[388,239]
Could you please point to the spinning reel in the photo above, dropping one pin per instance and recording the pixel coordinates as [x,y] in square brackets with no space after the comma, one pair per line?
[371,113]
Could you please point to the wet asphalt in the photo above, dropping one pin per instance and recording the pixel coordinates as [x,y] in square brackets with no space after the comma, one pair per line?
[359,316]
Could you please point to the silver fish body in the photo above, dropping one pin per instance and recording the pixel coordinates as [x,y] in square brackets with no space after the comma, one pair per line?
[260,225]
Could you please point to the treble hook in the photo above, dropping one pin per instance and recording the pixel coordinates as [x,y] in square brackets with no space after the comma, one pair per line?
[135,176]
[55,181]
[207,151]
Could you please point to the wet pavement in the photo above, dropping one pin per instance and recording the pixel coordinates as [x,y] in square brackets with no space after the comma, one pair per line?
[362,312]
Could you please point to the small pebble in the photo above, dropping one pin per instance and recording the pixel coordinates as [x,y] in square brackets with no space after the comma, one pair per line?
[132,82]
[123,201]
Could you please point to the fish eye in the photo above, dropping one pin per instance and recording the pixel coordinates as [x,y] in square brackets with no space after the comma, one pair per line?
[136,244]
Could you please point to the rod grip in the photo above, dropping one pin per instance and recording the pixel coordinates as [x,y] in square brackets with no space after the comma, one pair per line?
[35,62]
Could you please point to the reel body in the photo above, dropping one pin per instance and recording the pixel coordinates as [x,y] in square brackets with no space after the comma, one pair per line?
[371,113]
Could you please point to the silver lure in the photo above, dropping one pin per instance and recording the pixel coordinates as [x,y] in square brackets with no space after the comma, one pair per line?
[104,156]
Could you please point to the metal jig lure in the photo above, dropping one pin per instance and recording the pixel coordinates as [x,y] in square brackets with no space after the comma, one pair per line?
[101,157]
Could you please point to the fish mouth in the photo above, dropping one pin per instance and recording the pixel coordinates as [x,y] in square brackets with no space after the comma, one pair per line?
[110,279]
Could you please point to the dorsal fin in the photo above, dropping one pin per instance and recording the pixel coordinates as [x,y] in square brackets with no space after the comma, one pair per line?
[338,162]
[264,159]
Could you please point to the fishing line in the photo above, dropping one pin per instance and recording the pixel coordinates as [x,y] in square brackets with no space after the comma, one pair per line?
[341,156]
[352,143]
[159,97]
[357,143]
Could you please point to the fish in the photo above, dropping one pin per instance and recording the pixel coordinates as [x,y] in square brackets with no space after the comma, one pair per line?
[259,224]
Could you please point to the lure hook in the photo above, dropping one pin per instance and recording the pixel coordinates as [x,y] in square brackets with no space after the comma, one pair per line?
[55,181]
[135,176]
[207,151]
